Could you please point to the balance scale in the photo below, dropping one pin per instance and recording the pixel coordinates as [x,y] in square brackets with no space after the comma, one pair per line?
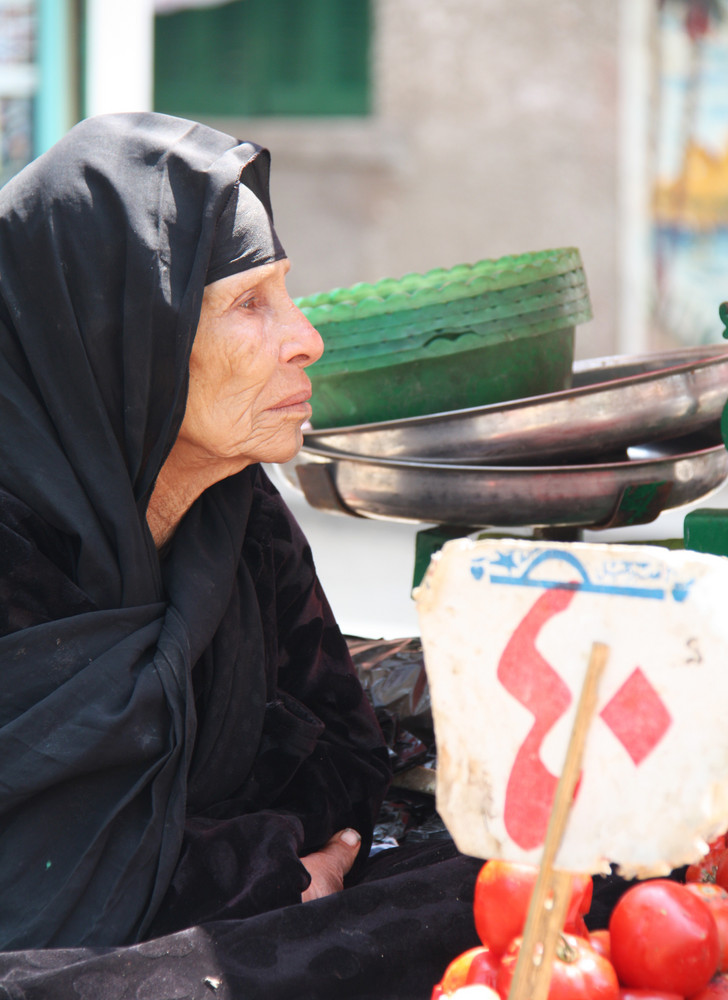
[633,437]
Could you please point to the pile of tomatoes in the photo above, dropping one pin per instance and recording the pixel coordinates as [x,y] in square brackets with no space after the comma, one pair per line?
[666,940]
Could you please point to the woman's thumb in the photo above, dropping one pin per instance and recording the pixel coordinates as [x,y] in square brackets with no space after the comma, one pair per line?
[349,837]
[345,846]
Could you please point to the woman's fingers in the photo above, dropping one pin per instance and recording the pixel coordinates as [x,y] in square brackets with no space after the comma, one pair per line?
[328,866]
[350,838]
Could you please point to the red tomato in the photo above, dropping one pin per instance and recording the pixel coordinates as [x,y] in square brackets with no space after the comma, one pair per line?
[721,870]
[717,989]
[502,895]
[483,969]
[578,972]
[599,940]
[475,991]
[705,869]
[476,965]
[664,937]
[627,994]
[716,898]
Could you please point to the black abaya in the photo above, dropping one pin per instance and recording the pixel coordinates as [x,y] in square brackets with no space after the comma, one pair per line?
[175,732]
[165,720]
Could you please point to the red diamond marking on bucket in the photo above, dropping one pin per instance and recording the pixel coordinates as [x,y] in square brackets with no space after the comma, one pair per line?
[637,716]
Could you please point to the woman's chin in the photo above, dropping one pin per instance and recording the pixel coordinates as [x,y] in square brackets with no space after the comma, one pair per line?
[282,451]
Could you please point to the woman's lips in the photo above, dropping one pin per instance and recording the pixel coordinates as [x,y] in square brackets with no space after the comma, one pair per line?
[295,400]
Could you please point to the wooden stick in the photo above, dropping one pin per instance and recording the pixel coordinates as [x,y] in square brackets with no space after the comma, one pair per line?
[552,890]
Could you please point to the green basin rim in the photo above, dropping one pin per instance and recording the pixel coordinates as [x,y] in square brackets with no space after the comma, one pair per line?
[444,343]
[438,285]
[421,323]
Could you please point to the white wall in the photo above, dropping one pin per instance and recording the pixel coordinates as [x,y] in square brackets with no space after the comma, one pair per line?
[119,55]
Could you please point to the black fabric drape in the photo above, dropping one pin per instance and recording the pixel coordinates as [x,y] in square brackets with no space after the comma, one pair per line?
[388,938]
[175,732]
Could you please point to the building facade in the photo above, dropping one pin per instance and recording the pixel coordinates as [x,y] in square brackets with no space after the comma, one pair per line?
[405,134]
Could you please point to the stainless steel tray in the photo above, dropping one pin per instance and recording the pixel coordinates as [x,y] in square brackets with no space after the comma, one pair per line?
[636,490]
[614,402]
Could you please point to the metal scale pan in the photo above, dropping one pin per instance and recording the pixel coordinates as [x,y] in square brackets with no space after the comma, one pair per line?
[635,490]
[614,402]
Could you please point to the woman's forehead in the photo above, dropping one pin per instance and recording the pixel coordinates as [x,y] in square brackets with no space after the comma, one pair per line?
[235,284]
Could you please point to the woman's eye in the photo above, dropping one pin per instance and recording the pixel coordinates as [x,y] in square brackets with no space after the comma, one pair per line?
[248,302]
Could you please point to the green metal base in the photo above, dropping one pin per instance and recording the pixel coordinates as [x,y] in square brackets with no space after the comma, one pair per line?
[706,530]
[431,540]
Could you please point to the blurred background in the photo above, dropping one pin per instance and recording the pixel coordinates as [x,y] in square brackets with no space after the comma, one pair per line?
[411,134]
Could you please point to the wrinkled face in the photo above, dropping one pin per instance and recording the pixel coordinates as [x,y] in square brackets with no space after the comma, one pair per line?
[248,392]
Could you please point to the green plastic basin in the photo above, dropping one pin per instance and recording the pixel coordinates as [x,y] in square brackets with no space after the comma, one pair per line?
[447,339]
[508,369]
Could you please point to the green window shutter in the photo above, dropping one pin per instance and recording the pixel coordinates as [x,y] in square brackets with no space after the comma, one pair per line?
[264,57]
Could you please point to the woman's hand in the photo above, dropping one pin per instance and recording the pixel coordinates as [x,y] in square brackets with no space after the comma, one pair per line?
[328,866]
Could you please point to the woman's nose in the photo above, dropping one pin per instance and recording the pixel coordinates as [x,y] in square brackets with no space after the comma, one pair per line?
[303,344]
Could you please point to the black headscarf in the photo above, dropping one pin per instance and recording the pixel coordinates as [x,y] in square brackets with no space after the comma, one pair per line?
[106,244]
[244,234]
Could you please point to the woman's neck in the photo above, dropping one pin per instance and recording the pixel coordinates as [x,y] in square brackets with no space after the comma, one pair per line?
[168,504]
[180,482]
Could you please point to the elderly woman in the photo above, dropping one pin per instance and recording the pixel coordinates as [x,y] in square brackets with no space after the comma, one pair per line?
[189,768]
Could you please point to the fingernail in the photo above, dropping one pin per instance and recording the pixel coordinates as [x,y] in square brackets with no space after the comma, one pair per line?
[350,837]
